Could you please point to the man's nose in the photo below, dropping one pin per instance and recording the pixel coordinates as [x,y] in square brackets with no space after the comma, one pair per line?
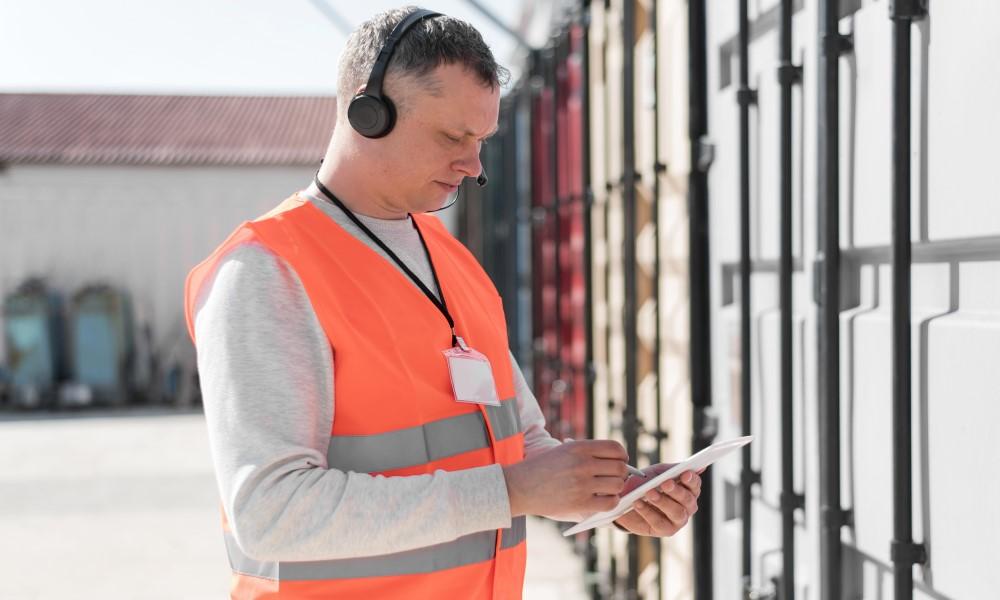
[470,165]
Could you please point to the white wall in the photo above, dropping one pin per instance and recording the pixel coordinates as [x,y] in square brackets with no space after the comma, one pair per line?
[138,228]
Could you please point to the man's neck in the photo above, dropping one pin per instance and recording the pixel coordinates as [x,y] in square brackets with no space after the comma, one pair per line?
[345,183]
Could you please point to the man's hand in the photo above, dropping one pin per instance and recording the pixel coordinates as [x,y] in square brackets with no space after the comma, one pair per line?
[663,511]
[581,477]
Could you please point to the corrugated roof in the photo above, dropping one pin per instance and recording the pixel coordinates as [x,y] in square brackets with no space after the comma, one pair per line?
[164,130]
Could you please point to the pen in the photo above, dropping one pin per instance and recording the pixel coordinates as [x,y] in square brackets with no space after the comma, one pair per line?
[635,471]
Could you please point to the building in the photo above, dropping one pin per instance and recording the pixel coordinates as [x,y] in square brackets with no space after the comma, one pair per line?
[134,190]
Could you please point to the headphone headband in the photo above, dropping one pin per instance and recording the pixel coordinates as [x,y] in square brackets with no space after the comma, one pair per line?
[374,87]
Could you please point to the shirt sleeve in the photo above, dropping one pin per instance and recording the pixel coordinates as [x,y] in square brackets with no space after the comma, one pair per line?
[536,438]
[267,373]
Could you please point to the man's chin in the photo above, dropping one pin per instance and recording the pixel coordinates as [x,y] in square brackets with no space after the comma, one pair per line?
[437,203]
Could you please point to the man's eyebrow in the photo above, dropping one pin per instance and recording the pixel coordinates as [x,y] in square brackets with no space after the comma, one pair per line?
[488,135]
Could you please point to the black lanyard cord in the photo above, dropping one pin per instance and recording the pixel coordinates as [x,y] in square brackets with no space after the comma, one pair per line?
[440,304]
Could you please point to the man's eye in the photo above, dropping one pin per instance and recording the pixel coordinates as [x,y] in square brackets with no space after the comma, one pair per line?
[453,140]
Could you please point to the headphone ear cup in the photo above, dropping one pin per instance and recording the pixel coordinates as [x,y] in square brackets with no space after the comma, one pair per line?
[370,116]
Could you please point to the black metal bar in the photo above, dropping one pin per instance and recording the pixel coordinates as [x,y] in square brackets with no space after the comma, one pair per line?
[655,217]
[901,368]
[631,289]
[524,185]
[588,295]
[536,277]
[555,52]
[832,515]
[788,74]
[745,97]
[903,551]
[704,426]
[509,191]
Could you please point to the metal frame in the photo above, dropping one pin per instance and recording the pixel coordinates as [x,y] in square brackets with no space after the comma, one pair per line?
[828,273]
[630,425]
[788,76]
[704,423]
[745,97]
[905,553]
[583,19]
[658,168]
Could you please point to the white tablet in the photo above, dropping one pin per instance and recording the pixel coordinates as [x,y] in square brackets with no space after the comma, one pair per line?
[698,461]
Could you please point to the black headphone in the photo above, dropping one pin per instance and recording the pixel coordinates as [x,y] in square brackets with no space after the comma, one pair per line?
[371,113]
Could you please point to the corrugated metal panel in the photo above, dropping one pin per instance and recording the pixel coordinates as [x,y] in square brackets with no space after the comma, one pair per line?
[955,300]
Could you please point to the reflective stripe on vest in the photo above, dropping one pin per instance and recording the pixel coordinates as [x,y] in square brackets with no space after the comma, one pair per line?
[424,443]
[466,550]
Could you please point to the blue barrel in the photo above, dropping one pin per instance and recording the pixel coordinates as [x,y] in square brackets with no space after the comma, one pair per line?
[33,333]
[102,346]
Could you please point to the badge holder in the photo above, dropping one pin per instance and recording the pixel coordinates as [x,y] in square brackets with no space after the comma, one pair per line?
[471,375]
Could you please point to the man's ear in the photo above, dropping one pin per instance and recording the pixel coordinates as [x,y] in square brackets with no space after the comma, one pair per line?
[361,89]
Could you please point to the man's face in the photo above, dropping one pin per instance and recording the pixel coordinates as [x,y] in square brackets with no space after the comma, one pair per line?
[437,139]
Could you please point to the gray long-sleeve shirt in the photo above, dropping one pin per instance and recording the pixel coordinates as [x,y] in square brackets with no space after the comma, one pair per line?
[267,376]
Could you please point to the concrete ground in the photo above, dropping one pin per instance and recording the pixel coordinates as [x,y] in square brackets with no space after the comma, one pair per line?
[123,505]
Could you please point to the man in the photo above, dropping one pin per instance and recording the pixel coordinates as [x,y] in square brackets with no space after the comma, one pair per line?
[371,433]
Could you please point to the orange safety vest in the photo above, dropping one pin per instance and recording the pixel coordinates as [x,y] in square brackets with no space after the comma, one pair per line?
[396,414]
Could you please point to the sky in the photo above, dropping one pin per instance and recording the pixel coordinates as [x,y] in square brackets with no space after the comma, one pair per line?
[267,47]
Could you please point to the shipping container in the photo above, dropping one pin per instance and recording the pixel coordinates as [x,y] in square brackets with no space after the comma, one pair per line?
[717,218]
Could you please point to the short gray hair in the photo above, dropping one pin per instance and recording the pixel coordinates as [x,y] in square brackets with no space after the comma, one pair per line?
[427,45]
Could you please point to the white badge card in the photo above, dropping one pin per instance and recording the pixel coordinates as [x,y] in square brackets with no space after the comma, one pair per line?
[471,377]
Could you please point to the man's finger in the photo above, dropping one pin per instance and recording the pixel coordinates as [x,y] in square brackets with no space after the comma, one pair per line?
[633,522]
[633,482]
[671,508]
[682,496]
[658,522]
[607,449]
[691,481]
[610,468]
[611,486]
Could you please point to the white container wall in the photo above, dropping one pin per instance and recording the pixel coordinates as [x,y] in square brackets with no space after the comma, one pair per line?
[955,296]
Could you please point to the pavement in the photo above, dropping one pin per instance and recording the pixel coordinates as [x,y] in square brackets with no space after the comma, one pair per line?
[122,505]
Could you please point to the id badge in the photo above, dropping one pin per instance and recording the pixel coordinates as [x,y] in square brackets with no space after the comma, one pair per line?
[471,376]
